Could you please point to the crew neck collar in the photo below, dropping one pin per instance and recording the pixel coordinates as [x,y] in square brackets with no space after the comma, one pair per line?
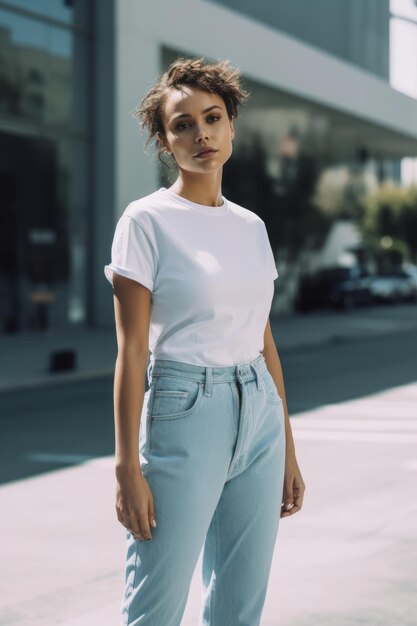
[201,208]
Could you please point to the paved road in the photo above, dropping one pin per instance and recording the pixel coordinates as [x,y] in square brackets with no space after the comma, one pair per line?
[348,369]
[51,428]
[349,558]
[25,357]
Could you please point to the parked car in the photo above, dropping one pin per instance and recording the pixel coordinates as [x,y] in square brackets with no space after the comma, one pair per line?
[398,286]
[341,287]
[409,275]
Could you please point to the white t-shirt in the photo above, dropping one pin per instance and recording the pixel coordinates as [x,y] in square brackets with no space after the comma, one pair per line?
[211,271]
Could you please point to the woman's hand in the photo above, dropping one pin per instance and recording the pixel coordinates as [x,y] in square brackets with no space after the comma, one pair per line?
[134,504]
[294,487]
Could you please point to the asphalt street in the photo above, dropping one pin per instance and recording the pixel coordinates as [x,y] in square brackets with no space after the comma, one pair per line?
[52,428]
[348,558]
[346,369]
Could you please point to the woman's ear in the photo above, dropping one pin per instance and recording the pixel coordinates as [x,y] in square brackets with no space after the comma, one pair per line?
[161,140]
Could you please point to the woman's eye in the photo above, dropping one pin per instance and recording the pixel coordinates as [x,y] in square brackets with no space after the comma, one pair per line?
[179,126]
[210,119]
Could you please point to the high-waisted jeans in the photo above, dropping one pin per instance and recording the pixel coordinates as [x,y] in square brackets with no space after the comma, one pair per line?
[212,448]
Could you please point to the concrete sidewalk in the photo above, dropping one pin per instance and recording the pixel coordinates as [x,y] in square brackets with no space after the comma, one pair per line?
[25,357]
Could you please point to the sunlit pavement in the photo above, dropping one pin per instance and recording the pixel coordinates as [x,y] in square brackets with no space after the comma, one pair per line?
[348,558]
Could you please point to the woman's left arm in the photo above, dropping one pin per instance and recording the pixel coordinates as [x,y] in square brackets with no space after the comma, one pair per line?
[294,486]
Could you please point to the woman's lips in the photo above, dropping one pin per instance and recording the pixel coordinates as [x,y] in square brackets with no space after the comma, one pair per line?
[205,154]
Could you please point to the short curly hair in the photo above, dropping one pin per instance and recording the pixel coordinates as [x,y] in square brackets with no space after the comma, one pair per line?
[217,77]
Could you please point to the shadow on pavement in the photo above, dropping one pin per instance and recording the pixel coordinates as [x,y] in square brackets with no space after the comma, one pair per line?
[46,429]
[347,369]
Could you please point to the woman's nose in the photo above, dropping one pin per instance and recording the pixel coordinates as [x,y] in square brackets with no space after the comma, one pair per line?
[201,133]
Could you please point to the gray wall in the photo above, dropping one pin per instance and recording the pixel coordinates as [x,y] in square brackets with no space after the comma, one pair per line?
[354,30]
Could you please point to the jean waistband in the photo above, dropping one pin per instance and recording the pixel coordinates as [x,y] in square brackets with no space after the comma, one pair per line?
[243,372]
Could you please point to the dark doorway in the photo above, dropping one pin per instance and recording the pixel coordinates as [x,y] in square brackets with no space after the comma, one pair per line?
[33,237]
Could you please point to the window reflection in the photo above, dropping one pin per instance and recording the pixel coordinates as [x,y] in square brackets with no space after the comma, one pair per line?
[62,10]
[36,70]
[44,167]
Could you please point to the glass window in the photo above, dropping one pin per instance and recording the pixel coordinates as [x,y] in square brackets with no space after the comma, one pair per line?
[67,11]
[403,56]
[44,167]
[42,72]
[403,47]
[43,225]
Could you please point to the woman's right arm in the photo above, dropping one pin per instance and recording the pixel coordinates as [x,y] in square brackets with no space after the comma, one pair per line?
[132,309]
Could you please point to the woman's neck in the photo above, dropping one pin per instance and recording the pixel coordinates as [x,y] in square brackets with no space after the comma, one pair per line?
[199,189]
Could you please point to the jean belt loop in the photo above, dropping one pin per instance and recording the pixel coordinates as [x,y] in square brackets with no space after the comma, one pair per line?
[208,381]
[258,376]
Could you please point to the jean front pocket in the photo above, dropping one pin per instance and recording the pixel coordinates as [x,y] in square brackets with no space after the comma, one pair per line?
[175,397]
[270,388]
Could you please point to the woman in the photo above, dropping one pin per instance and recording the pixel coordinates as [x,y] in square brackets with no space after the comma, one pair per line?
[192,274]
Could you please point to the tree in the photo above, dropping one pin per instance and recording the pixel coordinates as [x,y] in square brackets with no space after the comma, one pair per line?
[388,221]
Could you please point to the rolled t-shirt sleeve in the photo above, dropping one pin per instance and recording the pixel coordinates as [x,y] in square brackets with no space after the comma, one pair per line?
[132,254]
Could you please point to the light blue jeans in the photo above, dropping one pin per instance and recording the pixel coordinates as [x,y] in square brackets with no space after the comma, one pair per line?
[212,449]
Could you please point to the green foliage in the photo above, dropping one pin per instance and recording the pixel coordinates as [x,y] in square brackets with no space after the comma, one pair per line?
[390,212]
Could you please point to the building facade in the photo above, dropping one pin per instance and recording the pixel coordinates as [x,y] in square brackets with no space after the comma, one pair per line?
[322,121]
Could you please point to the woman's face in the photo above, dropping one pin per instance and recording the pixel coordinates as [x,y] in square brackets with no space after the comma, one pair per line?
[194,119]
